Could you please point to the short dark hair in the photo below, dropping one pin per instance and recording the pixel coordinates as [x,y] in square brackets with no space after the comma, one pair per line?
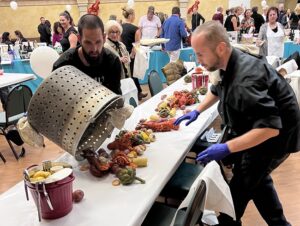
[90,21]
[175,10]
[255,9]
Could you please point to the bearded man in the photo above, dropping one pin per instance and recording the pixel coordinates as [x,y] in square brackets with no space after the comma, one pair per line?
[91,57]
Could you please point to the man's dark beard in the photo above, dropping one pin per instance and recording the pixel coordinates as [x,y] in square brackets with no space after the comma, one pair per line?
[93,61]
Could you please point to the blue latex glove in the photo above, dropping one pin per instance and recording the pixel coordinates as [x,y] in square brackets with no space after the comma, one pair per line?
[191,116]
[213,152]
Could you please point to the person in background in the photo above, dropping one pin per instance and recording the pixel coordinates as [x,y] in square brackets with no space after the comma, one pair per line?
[258,19]
[265,10]
[219,15]
[42,29]
[91,57]
[130,35]
[282,18]
[295,18]
[48,30]
[112,17]
[247,23]
[6,38]
[174,29]
[20,37]
[162,17]
[232,22]
[271,35]
[70,39]
[197,18]
[113,31]
[262,117]
[149,25]
[57,33]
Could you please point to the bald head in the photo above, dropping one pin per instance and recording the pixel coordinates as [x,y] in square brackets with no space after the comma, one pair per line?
[213,32]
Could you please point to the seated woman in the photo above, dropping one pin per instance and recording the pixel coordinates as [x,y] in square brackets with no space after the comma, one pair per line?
[113,31]
[57,33]
[6,38]
[20,37]
[271,35]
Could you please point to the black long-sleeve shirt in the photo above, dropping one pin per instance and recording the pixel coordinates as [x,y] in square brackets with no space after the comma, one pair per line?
[253,95]
[196,20]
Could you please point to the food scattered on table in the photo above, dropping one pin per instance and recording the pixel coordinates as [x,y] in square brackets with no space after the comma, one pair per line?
[77,195]
[163,125]
[128,176]
[116,182]
[188,79]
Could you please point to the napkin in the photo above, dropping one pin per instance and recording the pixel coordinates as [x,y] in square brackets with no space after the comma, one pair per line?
[217,198]
[287,68]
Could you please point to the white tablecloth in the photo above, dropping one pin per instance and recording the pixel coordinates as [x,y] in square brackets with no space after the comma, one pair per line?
[105,204]
[8,79]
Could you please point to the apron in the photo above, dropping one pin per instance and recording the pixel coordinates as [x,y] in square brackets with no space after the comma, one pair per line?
[275,41]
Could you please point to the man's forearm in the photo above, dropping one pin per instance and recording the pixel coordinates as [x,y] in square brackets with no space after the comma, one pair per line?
[208,101]
[252,138]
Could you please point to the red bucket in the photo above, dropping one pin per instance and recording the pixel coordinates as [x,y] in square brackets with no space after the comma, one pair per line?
[60,194]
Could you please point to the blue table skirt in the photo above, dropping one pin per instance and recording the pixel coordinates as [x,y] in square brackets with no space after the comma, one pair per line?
[290,48]
[158,59]
[19,66]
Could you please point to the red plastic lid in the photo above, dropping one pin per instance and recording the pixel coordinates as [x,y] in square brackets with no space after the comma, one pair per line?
[198,70]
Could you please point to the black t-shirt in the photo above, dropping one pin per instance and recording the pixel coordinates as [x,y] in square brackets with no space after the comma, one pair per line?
[65,44]
[128,35]
[107,72]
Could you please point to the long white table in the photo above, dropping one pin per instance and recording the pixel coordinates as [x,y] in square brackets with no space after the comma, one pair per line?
[8,79]
[103,203]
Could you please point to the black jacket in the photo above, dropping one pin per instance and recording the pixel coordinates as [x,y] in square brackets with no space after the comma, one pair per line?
[196,20]
[253,95]
[107,71]
[258,21]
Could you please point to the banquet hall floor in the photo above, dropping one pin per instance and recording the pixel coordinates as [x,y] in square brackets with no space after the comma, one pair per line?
[286,178]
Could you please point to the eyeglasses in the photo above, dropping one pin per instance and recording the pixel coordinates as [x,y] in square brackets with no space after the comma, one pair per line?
[114,32]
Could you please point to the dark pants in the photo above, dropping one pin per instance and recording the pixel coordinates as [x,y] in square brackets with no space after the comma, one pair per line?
[136,80]
[252,181]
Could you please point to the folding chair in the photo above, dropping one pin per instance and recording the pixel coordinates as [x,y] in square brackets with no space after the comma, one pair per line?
[155,83]
[162,215]
[132,102]
[16,106]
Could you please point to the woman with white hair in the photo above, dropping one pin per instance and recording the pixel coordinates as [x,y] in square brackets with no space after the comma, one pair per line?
[113,32]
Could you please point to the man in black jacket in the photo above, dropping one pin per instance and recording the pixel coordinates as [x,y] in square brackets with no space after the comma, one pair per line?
[196,18]
[258,19]
[261,111]
[43,31]
[91,57]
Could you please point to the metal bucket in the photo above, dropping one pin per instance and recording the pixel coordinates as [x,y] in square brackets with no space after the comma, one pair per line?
[70,109]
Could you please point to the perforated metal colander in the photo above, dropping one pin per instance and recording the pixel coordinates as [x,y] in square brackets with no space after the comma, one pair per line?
[70,109]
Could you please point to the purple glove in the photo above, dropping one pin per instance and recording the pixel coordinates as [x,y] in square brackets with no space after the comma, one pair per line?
[213,152]
[191,116]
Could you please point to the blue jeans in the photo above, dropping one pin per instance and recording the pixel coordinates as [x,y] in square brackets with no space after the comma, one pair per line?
[252,181]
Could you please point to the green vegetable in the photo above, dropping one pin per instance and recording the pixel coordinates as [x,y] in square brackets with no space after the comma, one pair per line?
[127,176]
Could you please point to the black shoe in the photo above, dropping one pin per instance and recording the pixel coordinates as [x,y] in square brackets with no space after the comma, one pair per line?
[142,95]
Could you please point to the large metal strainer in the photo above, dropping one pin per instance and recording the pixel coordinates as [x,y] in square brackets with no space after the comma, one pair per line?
[70,109]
